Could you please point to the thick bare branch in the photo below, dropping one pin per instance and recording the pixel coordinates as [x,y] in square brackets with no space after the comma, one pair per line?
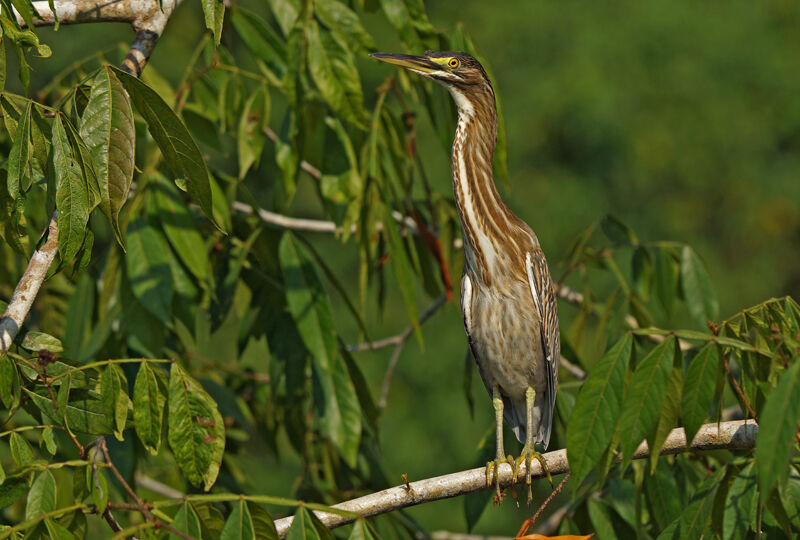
[726,435]
[140,13]
[28,287]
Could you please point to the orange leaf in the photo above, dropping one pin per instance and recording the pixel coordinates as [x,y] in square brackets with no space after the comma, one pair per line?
[563,537]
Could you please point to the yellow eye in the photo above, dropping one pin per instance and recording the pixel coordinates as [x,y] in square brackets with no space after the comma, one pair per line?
[453,63]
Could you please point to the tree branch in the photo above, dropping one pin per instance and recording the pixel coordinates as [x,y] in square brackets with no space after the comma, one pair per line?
[726,435]
[28,287]
[140,13]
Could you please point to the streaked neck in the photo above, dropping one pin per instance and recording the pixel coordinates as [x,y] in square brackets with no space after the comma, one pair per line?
[485,219]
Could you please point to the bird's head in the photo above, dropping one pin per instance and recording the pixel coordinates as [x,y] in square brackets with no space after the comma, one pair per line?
[457,71]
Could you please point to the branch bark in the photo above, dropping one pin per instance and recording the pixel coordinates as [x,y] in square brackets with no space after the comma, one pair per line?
[738,435]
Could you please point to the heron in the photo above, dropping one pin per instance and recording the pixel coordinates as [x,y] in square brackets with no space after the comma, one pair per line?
[507,299]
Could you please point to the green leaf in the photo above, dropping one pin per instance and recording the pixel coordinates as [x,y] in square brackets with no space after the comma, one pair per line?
[72,194]
[42,496]
[594,417]
[114,392]
[57,531]
[259,37]
[19,159]
[403,272]
[333,70]
[49,441]
[306,526]
[344,21]
[180,227]
[149,399]
[409,19]
[361,531]
[694,518]
[239,525]
[777,429]
[618,232]
[176,143]
[98,484]
[263,525]
[698,389]
[668,418]
[251,137]
[666,279]
[642,271]
[644,397]
[698,291]
[84,413]
[214,13]
[148,269]
[663,495]
[39,341]
[9,381]
[196,430]
[108,131]
[20,450]
[310,307]
[11,490]
[186,521]
[601,519]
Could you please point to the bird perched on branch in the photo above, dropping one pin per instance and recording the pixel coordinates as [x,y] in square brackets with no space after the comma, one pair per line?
[507,297]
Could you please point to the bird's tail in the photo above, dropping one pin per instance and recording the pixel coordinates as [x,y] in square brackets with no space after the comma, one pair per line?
[515,414]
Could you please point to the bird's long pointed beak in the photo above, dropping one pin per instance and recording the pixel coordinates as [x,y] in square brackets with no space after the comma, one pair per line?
[416,63]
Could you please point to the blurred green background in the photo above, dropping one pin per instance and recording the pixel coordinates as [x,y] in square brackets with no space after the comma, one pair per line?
[682,119]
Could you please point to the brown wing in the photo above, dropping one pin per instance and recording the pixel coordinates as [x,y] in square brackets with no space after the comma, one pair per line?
[545,299]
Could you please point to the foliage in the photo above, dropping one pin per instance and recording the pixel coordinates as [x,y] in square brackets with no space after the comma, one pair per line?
[182,331]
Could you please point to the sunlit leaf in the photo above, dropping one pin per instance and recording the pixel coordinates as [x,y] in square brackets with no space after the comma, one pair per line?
[72,194]
[108,131]
[186,521]
[306,526]
[196,430]
[114,393]
[19,166]
[176,143]
[84,413]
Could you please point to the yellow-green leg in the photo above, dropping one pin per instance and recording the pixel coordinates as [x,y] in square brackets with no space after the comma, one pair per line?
[493,467]
[529,452]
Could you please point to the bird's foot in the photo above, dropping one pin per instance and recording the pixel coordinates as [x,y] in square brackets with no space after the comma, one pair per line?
[527,456]
[493,473]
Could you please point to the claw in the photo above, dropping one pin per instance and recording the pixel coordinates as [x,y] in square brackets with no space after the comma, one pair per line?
[527,456]
[493,473]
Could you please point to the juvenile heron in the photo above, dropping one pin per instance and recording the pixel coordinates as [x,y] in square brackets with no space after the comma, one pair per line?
[507,297]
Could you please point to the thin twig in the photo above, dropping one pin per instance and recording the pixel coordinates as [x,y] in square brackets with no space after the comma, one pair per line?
[738,389]
[401,341]
[402,337]
[305,165]
[139,502]
[726,435]
[546,502]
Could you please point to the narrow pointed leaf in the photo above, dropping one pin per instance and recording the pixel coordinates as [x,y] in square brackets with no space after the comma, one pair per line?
[186,521]
[181,228]
[698,389]
[644,397]
[148,269]
[214,13]
[114,392]
[259,37]
[666,279]
[594,417]
[239,525]
[695,517]
[19,173]
[697,289]
[777,430]
[107,129]
[310,306]
[42,496]
[668,418]
[176,143]
[307,526]
[72,194]
[149,399]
